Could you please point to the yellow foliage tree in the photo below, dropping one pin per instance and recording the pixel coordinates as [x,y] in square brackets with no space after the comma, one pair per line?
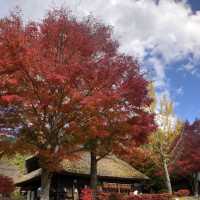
[160,142]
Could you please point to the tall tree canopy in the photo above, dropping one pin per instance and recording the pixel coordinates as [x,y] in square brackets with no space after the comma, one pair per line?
[186,153]
[154,158]
[64,85]
[162,140]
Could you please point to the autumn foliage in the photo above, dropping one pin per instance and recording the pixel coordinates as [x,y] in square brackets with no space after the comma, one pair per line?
[186,154]
[186,158]
[6,185]
[65,87]
[86,195]
[140,158]
[63,83]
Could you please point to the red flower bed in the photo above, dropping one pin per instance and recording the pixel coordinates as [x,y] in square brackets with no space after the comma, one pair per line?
[112,196]
[87,195]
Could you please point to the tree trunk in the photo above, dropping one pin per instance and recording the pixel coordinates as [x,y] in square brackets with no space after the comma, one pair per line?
[196,185]
[45,184]
[93,174]
[167,177]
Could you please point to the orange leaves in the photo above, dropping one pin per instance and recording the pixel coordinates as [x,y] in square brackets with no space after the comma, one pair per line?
[56,78]
[13,81]
[86,194]
[103,133]
[94,133]
[186,150]
[73,83]
[6,185]
[10,98]
[75,95]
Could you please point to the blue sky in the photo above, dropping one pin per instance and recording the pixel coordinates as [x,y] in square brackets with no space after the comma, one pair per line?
[164,37]
[188,99]
[195,4]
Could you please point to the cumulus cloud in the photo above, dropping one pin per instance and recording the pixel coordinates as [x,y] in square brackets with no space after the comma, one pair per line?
[157,33]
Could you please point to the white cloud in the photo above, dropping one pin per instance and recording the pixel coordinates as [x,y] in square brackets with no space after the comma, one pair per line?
[159,71]
[189,67]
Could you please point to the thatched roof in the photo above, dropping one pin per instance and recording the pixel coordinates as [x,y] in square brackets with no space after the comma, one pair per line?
[28,177]
[9,170]
[110,167]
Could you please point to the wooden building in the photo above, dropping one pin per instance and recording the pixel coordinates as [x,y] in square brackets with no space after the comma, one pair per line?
[114,175]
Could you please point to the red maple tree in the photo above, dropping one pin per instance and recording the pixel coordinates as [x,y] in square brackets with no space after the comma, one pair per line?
[186,159]
[69,87]
[6,185]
